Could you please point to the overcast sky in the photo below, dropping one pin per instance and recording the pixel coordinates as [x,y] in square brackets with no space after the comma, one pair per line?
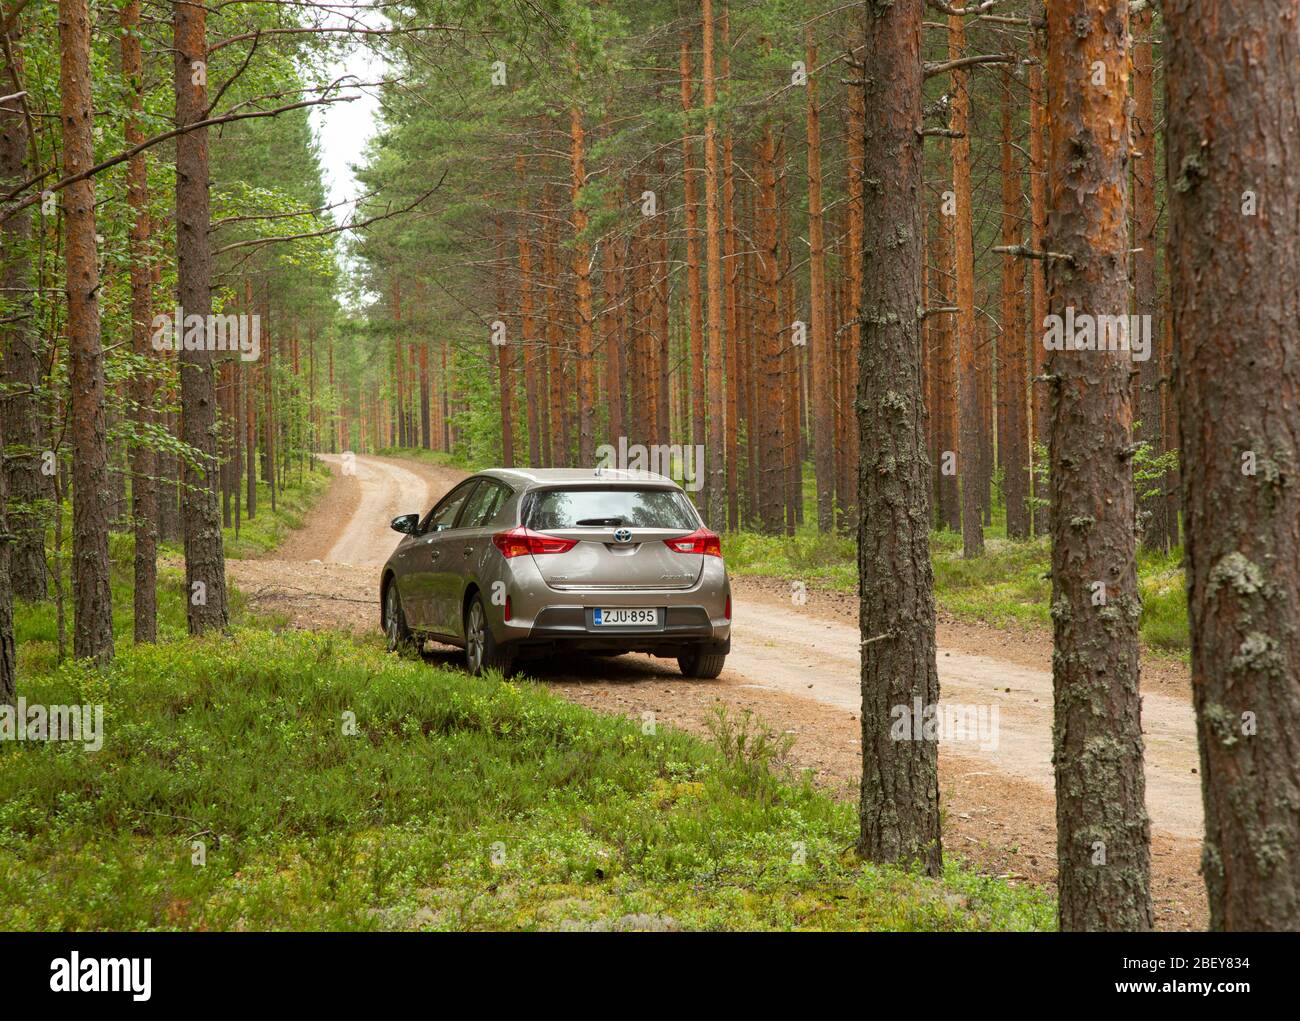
[343,129]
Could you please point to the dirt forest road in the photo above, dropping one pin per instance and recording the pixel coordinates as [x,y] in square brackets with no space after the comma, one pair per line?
[797,668]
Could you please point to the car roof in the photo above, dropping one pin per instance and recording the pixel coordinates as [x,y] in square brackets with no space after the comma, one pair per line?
[535,477]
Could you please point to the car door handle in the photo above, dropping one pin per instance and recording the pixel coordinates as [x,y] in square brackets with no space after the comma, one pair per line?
[469,550]
[434,554]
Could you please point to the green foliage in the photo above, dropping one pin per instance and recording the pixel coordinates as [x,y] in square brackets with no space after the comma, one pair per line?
[808,556]
[268,529]
[455,803]
[1009,585]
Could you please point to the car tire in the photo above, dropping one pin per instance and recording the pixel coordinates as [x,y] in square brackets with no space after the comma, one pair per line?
[699,664]
[482,651]
[398,635]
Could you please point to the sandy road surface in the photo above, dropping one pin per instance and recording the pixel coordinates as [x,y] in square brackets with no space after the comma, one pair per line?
[327,573]
[776,647]
[797,668]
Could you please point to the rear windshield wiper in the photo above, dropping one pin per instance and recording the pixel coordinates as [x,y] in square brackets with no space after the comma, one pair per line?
[599,521]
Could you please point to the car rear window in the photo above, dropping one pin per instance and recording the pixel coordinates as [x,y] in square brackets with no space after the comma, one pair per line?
[613,507]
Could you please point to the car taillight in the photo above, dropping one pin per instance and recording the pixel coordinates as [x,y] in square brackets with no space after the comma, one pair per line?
[508,614]
[519,541]
[727,612]
[699,541]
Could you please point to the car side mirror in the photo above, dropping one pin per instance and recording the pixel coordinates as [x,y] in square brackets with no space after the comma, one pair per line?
[407,523]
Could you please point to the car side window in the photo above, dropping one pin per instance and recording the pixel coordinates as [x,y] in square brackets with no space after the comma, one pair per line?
[443,515]
[483,506]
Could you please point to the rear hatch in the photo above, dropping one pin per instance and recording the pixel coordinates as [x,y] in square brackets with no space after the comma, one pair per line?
[619,534]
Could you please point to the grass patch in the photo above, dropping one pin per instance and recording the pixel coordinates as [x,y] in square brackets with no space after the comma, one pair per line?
[36,624]
[264,533]
[36,632]
[830,560]
[458,803]
[1010,585]
[438,457]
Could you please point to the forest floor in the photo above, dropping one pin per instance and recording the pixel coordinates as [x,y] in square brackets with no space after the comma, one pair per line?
[796,668]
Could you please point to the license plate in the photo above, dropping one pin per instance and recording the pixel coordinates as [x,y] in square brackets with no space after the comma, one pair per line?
[625,616]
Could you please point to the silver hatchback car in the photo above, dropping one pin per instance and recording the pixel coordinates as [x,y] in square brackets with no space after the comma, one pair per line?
[515,563]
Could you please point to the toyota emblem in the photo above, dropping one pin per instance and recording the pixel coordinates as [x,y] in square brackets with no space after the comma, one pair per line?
[622,535]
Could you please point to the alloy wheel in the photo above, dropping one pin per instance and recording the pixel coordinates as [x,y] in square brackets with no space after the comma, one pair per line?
[475,638]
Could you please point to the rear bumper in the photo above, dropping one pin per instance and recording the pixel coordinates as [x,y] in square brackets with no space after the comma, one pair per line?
[544,617]
[570,627]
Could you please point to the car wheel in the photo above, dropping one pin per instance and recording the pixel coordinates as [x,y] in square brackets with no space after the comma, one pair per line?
[482,652]
[700,664]
[395,629]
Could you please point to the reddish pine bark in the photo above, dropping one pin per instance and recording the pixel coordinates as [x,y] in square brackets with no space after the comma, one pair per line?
[968,412]
[715,451]
[1013,384]
[1232,79]
[585,368]
[92,598]
[730,268]
[1103,857]
[1039,401]
[691,201]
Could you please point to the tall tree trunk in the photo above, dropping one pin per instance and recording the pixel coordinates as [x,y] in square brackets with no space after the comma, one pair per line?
[426,422]
[1232,80]
[968,413]
[8,652]
[984,377]
[823,413]
[205,558]
[946,325]
[1146,299]
[144,463]
[92,636]
[691,201]
[771,392]
[899,805]
[792,448]
[585,369]
[731,266]
[856,130]
[250,439]
[505,360]
[20,366]
[659,336]
[613,340]
[1013,382]
[558,454]
[528,324]
[225,378]
[1040,399]
[716,495]
[1102,830]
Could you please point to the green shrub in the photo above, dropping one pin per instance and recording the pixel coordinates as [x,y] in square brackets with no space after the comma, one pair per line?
[327,784]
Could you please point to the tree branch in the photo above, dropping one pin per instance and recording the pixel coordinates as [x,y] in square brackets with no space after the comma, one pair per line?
[932,68]
[252,242]
[1025,252]
[149,143]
